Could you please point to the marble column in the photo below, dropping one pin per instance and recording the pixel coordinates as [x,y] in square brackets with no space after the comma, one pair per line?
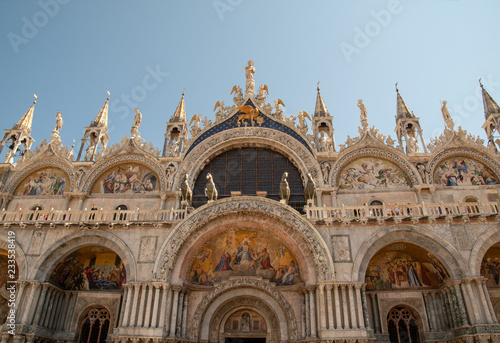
[338,321]
[428,308]
[359,305]
[474,311]
[180,307]
[64,312]
[488,301]
[484,303]
[312,304]
[343,291]
[140,318]
[128,305]
[154,319]
[21,284]
[184,315]
[175,305]
[71,309]
[376,319]
[329,306]
[147,317]
[321,304]
[124,304]
[308,313]
[135,301]
[461,306]
[365,307]
[47,307]
[168,308]
[40,304]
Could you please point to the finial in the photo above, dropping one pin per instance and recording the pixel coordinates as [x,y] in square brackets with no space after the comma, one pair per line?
[480,83]
[183,92]
[108,95]
[318,86]
[36,97]
[397,90]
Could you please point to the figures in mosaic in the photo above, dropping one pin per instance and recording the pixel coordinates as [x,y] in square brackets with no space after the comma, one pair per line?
[129,178]
[44,182]
[95,268]
[463,171]
[404,266]
[244,252]
[370,173]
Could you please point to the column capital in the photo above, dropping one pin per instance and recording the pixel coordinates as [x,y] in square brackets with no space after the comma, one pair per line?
[176,288]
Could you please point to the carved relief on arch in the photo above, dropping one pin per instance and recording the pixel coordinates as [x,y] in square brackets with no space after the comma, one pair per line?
[373,168]
[463,167]
[242,282]
[52,167]
[133,161]
[249,136]
[273,210]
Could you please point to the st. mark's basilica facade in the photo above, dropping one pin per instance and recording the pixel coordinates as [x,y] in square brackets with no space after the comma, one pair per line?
[256,227]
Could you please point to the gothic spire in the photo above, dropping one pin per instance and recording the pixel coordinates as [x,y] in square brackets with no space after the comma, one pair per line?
[180,111]
[402,109]
[102,118]
[490,106]
[320,110]
[25,122]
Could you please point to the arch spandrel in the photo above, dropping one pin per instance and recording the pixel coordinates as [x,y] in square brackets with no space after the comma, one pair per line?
[56,254]
[451,259]
[135,160]
[20,256]
[220,142]
[381,167]
[463,167]
[171,262]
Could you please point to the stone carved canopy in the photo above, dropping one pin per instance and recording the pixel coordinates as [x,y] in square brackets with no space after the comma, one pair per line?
[250,206]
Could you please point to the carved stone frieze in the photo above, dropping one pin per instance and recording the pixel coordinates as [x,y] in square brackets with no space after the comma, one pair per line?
[455,138]
[247,205]
[222,287]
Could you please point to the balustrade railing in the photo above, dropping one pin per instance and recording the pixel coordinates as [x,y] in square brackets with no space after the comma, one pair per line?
[401,211]
[91,216]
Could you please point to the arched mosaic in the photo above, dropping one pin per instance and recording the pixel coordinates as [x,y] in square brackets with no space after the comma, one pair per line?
[472,168]
[248,252]
[126,178]
[389,170]
[463,171]
[46,181]
[490,266]
[91,267]
[404,265]
[370,173]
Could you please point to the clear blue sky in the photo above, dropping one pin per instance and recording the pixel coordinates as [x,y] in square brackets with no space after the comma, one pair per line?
[71,53]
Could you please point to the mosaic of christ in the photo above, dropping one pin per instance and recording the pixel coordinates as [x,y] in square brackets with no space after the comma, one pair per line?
[404,265]
[126,178]
[462,171]
[244,252]
[370,173]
